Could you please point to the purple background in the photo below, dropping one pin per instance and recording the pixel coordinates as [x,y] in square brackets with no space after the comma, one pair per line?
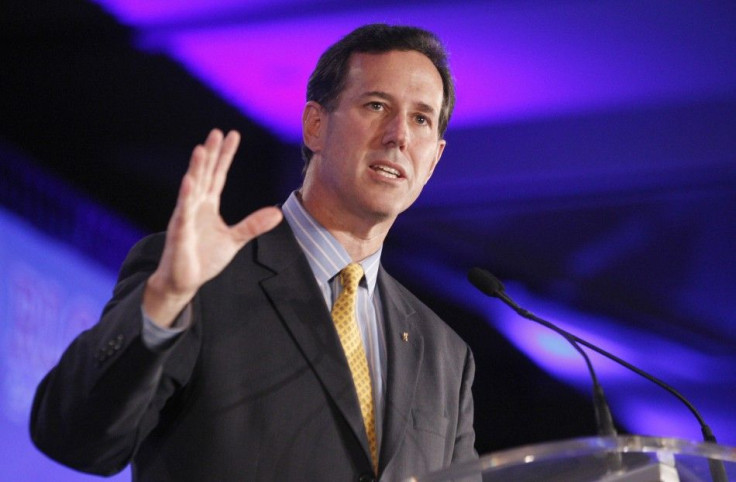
[591,163]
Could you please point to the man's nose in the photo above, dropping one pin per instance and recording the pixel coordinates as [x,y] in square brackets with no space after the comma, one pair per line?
[396,130]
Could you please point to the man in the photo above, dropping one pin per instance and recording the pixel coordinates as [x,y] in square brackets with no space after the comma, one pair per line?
[218,357]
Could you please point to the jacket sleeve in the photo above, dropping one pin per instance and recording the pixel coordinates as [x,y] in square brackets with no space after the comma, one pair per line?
[465,435]
[93,409]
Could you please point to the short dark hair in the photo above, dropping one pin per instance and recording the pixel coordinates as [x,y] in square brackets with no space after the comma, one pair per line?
[329,76]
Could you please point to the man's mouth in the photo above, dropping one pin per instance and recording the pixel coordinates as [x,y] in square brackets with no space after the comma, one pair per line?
[386,171]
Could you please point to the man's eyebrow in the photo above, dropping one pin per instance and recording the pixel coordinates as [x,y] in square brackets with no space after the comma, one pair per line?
[376,93]
[421,106]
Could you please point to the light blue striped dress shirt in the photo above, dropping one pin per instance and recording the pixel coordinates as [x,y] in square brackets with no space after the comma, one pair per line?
[327,258]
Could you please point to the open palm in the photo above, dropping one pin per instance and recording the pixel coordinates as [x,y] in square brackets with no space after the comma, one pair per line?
[199,244]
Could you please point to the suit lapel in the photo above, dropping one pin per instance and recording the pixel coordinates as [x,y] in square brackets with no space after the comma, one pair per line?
[404,351]
[297,299]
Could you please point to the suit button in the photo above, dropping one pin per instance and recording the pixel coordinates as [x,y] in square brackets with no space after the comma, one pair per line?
[367,478]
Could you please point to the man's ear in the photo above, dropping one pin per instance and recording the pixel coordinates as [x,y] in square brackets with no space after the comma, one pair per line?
[440,149]
[313,123]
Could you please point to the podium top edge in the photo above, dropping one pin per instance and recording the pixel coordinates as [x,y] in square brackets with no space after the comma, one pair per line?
[621,443]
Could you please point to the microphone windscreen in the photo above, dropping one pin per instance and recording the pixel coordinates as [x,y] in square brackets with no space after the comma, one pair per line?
[485,281]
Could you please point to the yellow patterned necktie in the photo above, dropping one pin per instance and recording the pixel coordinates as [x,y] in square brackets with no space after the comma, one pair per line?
[343,314]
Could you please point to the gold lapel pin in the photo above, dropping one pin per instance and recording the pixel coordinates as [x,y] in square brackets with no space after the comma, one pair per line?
[405,336]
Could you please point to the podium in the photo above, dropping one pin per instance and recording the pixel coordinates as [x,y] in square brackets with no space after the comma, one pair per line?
[608,459]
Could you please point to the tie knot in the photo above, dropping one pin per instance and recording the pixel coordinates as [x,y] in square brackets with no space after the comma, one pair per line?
[350,275]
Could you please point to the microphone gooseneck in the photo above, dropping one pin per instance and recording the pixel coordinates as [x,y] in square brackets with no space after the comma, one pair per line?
[492,286]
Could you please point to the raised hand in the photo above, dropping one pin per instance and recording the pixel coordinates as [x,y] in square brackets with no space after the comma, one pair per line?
[198,242]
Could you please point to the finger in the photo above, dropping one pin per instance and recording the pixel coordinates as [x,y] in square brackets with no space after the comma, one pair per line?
[213,141]
[184,203]
[227,153]
[196,179]
[212,147]
[257,223]
[197,168]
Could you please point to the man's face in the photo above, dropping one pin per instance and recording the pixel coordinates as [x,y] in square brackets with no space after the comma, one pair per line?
[377,149]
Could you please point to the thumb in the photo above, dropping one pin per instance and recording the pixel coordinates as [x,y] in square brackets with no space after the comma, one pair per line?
[257,223]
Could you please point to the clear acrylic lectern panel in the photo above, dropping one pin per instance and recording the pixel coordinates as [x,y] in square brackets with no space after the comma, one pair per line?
[609,459]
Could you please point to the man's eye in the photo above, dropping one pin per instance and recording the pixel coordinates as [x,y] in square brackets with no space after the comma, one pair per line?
[421,119]
[375,106]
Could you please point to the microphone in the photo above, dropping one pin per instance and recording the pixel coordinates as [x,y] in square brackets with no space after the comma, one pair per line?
[491,286]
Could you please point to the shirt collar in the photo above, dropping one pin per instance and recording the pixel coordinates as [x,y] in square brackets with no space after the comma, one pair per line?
[326,256]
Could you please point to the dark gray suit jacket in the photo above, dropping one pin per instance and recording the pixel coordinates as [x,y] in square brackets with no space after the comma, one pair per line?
[258,388]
